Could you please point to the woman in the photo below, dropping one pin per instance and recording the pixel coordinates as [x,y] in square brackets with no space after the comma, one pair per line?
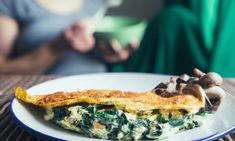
[35,36]
[188,34]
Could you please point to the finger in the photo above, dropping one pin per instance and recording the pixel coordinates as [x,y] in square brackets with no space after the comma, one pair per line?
[92,42]
[84,45]
[123,54]
[77,31]
[105,52]
[134,44]
[84,25]
[115,58]
[103,48]
[68,34]
[111,59]
[116,46]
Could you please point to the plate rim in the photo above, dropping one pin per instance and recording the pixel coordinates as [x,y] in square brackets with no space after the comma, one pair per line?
[43,136]
[29,129]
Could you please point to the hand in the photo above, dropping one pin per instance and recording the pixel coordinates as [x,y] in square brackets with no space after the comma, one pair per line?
[2,60]
[116,53]
[80,36]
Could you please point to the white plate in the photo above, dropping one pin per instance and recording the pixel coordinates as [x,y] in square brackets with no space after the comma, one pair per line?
[216,125]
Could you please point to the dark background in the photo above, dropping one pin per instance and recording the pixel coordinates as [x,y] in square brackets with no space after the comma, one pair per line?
[137,8]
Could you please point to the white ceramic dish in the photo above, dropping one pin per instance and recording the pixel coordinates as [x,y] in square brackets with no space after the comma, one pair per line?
[216,125]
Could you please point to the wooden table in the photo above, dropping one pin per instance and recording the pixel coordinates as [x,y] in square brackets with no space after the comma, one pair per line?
[11,131]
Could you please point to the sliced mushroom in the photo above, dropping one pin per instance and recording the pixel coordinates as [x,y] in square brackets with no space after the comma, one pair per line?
[166,89]
[196,90]
[215,94]
[184,77]
[216,90]
[205,87]
[198,73]
[193,80]
[210,79]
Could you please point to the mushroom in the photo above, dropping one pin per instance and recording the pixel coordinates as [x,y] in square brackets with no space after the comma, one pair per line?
[196,90]
[184,77]
[211,83]
[215,94]
[215,90]
[198,73]
[193,80]
[166,89]
[204,86]
[210,79]
[207,80]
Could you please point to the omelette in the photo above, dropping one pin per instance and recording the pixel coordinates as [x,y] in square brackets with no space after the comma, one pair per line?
[171,107]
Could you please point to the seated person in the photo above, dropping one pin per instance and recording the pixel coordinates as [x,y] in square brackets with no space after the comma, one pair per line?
[187,34]
[56,37]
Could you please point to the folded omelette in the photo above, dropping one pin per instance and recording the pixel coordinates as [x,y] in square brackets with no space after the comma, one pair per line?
[119,115]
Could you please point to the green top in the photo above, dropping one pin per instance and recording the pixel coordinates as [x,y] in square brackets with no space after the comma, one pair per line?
[187,34]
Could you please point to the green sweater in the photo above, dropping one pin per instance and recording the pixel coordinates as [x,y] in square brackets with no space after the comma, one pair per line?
[187,34]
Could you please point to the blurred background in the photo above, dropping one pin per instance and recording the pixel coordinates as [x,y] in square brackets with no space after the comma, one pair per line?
[91,36]
[137,8]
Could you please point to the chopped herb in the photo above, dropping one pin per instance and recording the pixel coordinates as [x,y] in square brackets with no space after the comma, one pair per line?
[91,109]
[87,121]
[131,126]
[142,122]
[202,113]
[105,118]
[196,124]
[111,111]
[157,133]
[161,119]
[113,134]
[60,112]
[176,122]
[122,119]
[190,125]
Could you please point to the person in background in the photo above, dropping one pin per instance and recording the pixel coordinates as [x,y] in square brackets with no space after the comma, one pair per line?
[52,37]
[187,34]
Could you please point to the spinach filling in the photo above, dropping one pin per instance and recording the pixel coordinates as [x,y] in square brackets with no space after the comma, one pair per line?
[116,124]
[60,113]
